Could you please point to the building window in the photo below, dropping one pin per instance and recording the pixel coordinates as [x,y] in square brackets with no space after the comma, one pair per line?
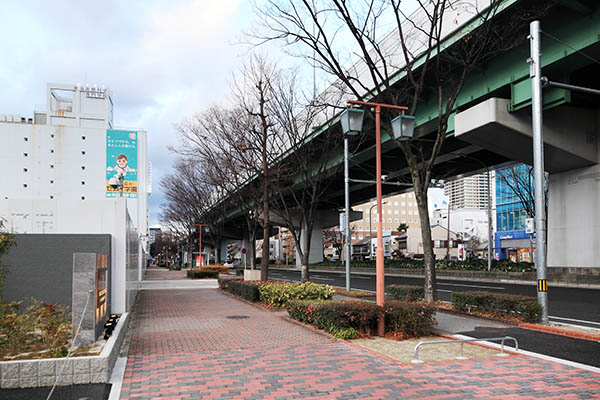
[353,237]
[360,236]
[403,220]
[389,220]
[396,212]
[396,220]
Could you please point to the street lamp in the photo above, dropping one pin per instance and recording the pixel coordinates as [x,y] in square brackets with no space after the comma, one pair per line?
[371,219]
[349,120]
[201,263]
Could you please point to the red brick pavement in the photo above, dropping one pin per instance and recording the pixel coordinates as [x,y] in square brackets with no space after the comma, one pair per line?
[185,347]
[157,273]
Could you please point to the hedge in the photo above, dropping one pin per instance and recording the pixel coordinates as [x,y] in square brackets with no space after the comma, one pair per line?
[331,315]
[469,265]
[221,269]
[279,293]
[202,273]
[410,319]
[247,290]
[498,304]
[343,317]
[405,292]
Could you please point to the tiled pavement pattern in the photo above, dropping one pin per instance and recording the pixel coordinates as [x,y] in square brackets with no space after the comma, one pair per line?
[184,347]
[156,273]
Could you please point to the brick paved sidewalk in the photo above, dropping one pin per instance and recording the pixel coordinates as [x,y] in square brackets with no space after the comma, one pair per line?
[184,346]
[158,273]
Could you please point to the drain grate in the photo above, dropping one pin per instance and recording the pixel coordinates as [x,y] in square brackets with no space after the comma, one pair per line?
[237,317]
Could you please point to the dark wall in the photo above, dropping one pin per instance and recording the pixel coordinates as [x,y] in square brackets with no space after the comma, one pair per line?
[41,265]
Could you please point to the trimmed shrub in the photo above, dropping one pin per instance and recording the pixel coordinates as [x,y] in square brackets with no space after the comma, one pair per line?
[202,274]
[405,292]
[469,265]
[341,317]
[247,290]
[498,304]
[410,319]
[279,293]
[221,269]
[331,315]
[344,333]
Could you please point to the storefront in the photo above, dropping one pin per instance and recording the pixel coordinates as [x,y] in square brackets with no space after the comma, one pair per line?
[513,245]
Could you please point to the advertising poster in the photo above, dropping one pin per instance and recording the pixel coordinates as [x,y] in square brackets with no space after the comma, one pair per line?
[121,163]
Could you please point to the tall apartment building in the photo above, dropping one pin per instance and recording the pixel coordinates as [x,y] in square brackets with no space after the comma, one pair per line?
[56,169]
[469,192]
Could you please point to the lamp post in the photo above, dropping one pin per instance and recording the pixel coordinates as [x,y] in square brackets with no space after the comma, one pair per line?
[370,219]
[201,263]
[403,127]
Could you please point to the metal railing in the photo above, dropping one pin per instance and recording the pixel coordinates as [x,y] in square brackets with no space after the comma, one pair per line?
[462,342]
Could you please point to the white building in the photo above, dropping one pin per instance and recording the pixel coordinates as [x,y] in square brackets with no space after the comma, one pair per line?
[54,169]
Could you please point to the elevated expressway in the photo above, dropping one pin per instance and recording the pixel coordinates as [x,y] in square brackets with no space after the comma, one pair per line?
[492,125]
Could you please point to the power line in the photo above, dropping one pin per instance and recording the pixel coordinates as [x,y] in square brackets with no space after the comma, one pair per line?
[571,47]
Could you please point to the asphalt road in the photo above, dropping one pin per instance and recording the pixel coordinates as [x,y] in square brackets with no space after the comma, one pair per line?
[575,306]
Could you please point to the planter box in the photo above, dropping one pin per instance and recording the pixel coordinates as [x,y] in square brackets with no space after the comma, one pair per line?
[76,370]
[252,275]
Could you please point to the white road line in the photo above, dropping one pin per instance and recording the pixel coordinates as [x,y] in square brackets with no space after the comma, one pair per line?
[323,279]
[537,355]
[446,291]
[361,277]
[473,286]
[575,320]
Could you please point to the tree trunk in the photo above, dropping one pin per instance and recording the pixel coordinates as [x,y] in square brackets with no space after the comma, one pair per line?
[429,257]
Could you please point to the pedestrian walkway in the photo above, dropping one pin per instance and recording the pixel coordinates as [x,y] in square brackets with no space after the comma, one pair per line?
[203,344]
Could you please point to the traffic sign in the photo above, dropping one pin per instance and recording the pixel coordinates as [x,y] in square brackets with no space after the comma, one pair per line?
[244,250]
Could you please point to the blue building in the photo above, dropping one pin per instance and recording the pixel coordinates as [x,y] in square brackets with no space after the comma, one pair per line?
[514,190]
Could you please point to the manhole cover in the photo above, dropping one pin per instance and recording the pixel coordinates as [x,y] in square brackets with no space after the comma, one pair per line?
[237,316]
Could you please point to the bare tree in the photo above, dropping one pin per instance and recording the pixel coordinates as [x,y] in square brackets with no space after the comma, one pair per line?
[334,237]
[333,34]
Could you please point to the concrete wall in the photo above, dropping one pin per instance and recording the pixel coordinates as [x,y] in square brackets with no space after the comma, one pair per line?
[41,266]
[574,219]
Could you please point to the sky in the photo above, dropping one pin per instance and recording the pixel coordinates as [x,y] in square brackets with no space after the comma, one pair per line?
[163,61]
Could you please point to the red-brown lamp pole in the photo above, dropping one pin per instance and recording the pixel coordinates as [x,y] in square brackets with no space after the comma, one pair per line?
[379,271]
[200,242]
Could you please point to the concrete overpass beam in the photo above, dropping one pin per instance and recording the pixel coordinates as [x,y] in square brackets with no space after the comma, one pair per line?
[570,134]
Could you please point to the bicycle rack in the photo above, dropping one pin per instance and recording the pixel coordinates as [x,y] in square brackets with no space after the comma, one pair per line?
[462,342]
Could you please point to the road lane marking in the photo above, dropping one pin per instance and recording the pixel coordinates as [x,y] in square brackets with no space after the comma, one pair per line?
[575,320]
[473,286]
[323,279]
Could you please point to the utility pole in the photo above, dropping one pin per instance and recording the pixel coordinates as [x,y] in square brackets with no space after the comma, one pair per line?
[535,73]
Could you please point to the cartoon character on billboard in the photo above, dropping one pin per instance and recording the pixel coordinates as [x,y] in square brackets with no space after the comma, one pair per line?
[121,168]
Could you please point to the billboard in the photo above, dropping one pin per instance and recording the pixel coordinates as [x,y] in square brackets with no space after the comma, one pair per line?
[121,162]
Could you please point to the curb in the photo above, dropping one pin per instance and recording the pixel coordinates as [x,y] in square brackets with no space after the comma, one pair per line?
[474,316]
[561,332]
